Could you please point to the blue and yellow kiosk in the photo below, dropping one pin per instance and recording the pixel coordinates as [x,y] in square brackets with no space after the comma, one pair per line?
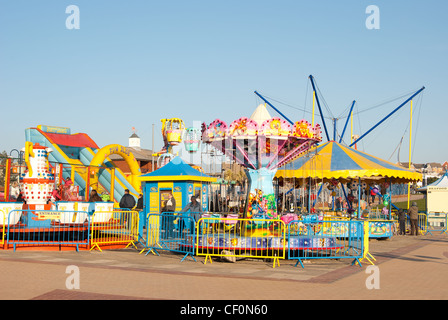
[180,179]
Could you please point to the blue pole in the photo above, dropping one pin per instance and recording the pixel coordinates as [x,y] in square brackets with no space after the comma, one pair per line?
[359,198]
[318,194]
[348,119]
[334,129]
[345,195]
[320,109]
[385,118]
[262,98]
[390,200]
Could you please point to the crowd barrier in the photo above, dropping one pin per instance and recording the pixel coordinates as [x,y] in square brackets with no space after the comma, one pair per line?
[68,228]
[422,224]
[233,238]
[436,222]
[116,227]
[3,218]
[328,239]
[46,228]
[170,232]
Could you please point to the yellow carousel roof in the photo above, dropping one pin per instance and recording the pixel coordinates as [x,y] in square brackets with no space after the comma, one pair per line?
[332,160]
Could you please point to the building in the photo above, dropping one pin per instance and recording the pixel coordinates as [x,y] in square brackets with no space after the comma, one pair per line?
[429,170]
[144,157]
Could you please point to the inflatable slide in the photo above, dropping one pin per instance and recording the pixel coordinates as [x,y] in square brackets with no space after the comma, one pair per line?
[79,151]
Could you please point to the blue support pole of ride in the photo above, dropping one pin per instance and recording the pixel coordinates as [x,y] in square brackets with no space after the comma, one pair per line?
[320,109]
[385,118]
[334,128]
[318,194]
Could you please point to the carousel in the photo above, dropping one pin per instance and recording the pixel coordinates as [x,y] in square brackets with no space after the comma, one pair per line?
[356,173]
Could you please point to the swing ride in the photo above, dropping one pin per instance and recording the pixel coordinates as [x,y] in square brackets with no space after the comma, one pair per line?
[173,133]
[192,139]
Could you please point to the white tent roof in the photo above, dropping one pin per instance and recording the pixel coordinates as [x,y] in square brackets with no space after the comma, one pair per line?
[260,114]
[442,183]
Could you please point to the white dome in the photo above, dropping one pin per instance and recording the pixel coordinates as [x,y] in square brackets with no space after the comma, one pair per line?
[260,114]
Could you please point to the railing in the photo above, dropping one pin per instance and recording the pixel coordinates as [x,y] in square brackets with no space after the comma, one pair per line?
[170,231]
[5,209]
[436,222]
[422,224]
[329,239]
[117,227]
[3,217]
[46,228]
[234,238]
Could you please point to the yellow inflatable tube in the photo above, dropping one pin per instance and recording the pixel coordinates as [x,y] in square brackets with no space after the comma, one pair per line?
[106,151]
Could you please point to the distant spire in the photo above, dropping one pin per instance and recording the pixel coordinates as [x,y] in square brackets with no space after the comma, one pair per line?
[134,140]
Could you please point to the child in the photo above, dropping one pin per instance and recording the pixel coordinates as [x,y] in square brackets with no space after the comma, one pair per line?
[55,195]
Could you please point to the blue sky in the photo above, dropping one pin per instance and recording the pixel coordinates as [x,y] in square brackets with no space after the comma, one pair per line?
[132,63]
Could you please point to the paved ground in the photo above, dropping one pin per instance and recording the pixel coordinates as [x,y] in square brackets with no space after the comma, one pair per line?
[409,268]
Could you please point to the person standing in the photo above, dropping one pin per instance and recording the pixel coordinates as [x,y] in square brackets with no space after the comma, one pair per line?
[170,204]
[139,206]
[168,215]
[413,215]
[94,196]
[127,201]
[195,209]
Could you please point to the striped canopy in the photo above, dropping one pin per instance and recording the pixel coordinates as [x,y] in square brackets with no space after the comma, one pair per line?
[442,182]
[332,160]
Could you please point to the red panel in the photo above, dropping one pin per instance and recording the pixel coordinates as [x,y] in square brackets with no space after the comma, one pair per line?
[80,140]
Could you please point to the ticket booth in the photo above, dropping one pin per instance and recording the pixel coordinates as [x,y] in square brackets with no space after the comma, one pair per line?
[176,177]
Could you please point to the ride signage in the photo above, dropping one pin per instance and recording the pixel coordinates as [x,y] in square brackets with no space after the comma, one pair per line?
[49,215]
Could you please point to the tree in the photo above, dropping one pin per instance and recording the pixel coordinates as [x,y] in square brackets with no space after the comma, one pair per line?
[3,157]
[238,176]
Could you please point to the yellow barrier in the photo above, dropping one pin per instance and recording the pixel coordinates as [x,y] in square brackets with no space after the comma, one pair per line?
[366,253]
[242,238]
[2,226]
[114,228]
[422,223]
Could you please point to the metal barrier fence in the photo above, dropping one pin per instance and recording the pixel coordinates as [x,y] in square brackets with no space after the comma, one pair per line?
[170,231]
[5,209]
[2,226]
[337,239]
[422,224]
[46,228]
[117,227]
[436,222]
[241,238]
